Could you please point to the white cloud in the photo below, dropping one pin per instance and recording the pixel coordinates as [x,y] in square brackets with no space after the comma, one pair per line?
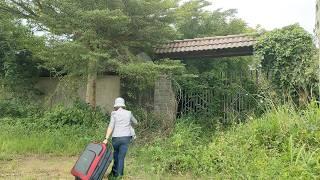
[272,14]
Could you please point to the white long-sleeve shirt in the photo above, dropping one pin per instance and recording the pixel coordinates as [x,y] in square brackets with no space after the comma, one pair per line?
[121,123]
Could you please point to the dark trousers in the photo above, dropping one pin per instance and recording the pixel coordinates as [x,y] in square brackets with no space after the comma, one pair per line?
[120,145]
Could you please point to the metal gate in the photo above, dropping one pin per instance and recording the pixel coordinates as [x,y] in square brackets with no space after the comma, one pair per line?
[231,100]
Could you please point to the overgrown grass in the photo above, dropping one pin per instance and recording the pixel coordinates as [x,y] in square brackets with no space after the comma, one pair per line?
[62,141]
[283,143]
[58,131]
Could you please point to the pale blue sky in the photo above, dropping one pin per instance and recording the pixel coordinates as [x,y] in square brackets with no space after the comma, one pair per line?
[272,14]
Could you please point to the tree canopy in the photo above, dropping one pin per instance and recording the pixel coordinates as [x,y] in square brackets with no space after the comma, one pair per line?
[88,34]
[87,37]
[101,29]
[116,27]
[18,65]
[193,21]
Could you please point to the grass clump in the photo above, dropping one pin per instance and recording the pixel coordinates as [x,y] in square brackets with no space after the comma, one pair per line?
[282,143]
[17,108]
[60,130]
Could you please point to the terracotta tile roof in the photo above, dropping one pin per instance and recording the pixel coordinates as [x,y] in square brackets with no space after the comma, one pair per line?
[207,43]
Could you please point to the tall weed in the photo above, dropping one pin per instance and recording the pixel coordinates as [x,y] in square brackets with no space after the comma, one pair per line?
[282,143]
[60,130]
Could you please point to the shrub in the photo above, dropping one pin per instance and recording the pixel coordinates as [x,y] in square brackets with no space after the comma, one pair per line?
[282,143]
[16,108]
[61,130]
[177,153]
[79,114]
[289,58]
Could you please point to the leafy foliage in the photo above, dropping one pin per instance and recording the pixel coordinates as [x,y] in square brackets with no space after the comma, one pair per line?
[96,31]
[104,31]
[80,114]
[192,21]
[144,74]
[288,57]
[224,78]
[18,66]
[111,33]
[26,129]
[17,108]
[283,143]
[209,70]
[138,79]
[77,114]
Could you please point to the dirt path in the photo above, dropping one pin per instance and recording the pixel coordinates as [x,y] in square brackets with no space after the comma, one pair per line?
[52,167]
[37,167]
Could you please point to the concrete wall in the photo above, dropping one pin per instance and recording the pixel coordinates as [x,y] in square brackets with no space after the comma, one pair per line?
[64,91]
[165,105]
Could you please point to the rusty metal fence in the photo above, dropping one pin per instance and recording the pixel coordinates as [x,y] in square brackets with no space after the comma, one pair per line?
[233,99]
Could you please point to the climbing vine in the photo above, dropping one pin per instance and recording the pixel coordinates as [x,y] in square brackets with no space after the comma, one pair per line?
[288,60]
[138,79]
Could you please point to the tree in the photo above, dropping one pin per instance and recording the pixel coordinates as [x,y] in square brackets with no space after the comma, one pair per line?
[96,31]
[18,66]
[288,58]
[87,37]
[193,21]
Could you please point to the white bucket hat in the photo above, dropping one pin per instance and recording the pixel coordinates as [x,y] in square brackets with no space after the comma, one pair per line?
[119,102]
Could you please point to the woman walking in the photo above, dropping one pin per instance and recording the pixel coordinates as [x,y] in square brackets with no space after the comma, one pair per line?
[120,127]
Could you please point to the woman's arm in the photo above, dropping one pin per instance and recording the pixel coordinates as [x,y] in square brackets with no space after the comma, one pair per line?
[110,128]
[133,120]
[109,132]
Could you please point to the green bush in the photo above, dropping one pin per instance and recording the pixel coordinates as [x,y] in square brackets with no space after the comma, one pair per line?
[60,130]
[147,120]
[177,153]
[80,114]
[15,108]
[282,143]
[290,60]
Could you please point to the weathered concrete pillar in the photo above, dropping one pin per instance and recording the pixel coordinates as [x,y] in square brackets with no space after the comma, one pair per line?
[165,105]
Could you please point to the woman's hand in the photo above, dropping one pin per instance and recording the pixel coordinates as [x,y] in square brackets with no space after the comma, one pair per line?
[105,141]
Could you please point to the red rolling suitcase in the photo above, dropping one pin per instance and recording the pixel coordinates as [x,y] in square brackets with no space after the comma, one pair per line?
[93,162]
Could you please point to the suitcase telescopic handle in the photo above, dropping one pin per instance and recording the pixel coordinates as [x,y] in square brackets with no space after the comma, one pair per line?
[110,144]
